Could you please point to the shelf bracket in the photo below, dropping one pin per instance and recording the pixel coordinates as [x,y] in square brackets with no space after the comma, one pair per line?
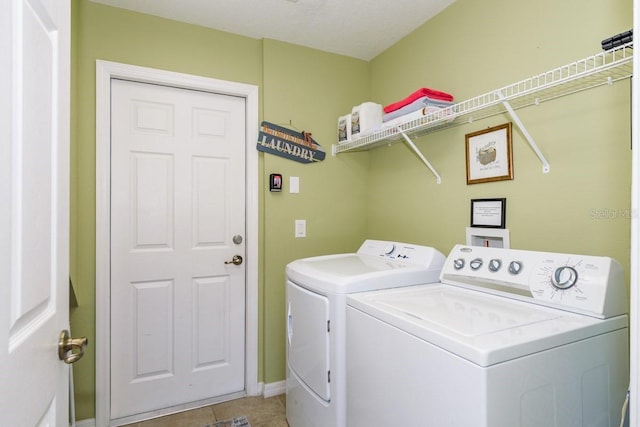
[546,168]
[419,154]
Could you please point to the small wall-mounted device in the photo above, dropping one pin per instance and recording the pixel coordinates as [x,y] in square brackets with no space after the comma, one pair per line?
[275,182]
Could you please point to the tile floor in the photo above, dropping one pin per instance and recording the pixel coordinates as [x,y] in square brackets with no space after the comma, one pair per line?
[260,412]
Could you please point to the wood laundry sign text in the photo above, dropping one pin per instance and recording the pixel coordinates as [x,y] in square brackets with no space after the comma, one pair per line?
[290,144]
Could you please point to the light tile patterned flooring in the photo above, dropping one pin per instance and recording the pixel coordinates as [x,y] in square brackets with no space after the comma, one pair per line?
[260,412]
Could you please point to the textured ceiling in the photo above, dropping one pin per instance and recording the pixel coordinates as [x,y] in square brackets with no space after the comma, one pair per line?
[356,28]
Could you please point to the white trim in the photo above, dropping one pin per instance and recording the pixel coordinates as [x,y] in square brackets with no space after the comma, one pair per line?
[275,389]
[105,71]
[89,422]
[634,302]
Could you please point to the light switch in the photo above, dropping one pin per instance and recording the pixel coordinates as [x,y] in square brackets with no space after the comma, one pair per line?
[294,184]
[301,228]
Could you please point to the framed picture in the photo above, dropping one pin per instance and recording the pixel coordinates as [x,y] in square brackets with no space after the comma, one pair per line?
[488,213]
[489,155]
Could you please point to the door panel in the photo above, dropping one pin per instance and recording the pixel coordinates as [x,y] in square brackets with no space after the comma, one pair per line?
[34,211]
[211,297]
[208,190]
[153,334]
[177,180]
[151,184]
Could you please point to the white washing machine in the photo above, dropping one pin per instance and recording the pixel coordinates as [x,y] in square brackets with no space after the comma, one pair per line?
[316,309]
[508,338]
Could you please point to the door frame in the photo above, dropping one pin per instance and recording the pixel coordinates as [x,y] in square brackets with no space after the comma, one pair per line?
[105,71]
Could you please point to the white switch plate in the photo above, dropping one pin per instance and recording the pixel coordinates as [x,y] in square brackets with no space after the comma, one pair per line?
[301,228]
[294,184]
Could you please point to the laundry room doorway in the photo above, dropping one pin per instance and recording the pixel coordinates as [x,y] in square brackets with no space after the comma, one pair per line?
[176,242]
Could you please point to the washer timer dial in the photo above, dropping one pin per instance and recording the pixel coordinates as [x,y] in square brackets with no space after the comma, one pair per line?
[558,279]
[564,277]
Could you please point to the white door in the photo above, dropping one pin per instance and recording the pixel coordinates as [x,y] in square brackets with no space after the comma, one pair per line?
[34,211]
[177,221]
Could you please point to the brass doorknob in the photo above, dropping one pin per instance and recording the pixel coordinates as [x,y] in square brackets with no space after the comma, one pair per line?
[70,350]
[236,260]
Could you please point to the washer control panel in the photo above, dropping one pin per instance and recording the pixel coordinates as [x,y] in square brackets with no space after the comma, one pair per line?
[580,283]
[403,252]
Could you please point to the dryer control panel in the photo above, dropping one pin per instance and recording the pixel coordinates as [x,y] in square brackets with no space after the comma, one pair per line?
[403,252]
[583,284]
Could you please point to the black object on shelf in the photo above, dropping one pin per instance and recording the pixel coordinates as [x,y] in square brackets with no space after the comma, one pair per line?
[617,40]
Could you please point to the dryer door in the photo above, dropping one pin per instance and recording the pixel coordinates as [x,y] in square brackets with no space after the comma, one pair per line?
[308,338]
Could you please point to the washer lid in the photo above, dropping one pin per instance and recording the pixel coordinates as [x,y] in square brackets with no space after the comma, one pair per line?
[347,273]
[482,328]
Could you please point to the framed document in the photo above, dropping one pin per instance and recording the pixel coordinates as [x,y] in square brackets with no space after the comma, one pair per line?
[488,213]
[489,155]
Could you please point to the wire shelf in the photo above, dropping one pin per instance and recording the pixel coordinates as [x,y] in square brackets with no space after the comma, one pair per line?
[606,67]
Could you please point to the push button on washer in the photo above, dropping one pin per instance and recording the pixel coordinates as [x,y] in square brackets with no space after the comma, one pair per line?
[515,267]
[476,263]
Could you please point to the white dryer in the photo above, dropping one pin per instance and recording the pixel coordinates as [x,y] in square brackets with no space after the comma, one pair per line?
[316,309]
[509,338]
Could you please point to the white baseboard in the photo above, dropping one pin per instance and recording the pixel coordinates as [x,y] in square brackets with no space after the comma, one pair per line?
[275,389]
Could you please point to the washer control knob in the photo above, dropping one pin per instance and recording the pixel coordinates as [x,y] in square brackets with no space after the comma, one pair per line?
[476,263]
[389,249]
[494,265]
[458,264]
[564,277]
[515,267]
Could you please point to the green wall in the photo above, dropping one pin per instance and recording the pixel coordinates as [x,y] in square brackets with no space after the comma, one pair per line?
[387,193]
[112,34]
[473,48]
[303,90]
[300,86]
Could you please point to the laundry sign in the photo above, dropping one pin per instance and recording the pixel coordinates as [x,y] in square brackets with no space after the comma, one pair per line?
[290,144]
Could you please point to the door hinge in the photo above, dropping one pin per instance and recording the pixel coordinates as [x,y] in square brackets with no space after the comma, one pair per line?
[328,325]
[328,376]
